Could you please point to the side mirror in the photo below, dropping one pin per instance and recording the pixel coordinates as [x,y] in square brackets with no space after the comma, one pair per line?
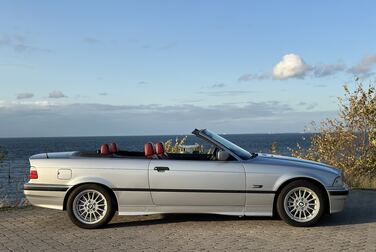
[222,155]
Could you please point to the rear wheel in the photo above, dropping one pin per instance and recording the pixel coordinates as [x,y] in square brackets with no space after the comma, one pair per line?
[301,203]
[90,206]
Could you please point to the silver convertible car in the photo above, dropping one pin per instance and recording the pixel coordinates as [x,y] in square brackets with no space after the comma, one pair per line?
[92,186]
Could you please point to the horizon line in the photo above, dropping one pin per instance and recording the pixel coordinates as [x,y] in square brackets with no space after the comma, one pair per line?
[74,136]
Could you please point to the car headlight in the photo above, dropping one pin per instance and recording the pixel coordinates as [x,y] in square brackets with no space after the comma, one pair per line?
[338,181]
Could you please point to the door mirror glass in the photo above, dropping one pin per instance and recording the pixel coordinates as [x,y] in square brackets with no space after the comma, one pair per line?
[222,155]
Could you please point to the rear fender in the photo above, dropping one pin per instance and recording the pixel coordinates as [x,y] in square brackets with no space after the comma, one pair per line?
[88,180]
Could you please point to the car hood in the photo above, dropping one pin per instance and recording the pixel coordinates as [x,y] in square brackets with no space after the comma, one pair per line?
[270,159]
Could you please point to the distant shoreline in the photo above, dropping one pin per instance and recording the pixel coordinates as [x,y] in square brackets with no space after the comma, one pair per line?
[164,135]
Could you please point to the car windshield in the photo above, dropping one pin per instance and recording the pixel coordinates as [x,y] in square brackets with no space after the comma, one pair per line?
[240,152]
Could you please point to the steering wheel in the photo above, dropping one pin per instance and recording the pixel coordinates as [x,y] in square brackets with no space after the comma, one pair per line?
[214,154]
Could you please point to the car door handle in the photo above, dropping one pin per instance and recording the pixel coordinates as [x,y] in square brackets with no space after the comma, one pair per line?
[161,168]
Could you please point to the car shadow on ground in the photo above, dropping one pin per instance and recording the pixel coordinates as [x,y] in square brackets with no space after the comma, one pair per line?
[177,218]
[360,209]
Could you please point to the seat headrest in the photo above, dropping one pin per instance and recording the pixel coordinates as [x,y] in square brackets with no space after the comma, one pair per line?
[114,148]
[159,149]
[149,150]
[105,150]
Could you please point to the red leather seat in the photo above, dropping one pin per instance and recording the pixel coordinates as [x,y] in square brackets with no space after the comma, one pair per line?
[105,150]
[114,148]
[159,150]
[149,150]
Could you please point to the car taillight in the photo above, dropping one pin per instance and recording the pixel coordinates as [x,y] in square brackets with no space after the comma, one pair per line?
[33,174]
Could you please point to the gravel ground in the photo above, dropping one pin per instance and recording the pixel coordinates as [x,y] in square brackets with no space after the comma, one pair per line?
[37,229]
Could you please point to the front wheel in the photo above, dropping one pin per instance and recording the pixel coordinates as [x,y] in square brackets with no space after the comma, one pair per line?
[301,203]
[90,206]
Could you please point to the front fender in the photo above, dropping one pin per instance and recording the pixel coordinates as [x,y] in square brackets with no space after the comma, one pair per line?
[325,182]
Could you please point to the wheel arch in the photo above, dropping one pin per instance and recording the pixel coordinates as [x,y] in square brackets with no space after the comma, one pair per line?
[105,186]
[312,180]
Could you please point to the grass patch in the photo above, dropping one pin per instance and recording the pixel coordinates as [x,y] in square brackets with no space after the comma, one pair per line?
[361,182]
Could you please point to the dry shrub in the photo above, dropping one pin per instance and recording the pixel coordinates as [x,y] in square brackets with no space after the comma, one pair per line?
[3,199]
[175,148]
[171,147]
[2,154]
[274,148]
[349,141]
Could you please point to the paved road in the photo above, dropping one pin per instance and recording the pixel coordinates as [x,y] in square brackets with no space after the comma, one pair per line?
[37,229]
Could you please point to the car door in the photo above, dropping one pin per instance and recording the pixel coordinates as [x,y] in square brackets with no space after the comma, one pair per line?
[198,184]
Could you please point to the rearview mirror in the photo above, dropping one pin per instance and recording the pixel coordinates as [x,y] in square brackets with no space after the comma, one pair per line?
[222,155]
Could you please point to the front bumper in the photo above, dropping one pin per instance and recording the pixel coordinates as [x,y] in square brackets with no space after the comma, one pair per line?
[337,199]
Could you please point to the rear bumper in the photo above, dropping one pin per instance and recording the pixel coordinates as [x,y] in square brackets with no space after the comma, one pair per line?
[337,199]
[47,196]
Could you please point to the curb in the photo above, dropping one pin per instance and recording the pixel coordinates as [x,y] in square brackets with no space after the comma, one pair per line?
[363,189]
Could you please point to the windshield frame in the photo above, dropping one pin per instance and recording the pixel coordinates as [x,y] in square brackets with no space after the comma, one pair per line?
[238,152]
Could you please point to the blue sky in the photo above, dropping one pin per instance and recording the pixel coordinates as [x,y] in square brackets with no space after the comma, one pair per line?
[166,67]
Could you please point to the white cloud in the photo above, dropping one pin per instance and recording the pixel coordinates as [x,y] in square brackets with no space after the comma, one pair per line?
[44,118]
[218,85]
[17,65]
[307,106]
[18,43]
[56,94]
[168,46]
[291,66]
[43,103]
[364,66]
[323,70]
[25,104]
[21,96]
[90,40]
[225,93]
[250,77]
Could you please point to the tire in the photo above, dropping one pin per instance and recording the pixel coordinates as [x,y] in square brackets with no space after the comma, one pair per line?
[90,206]
[301,203]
